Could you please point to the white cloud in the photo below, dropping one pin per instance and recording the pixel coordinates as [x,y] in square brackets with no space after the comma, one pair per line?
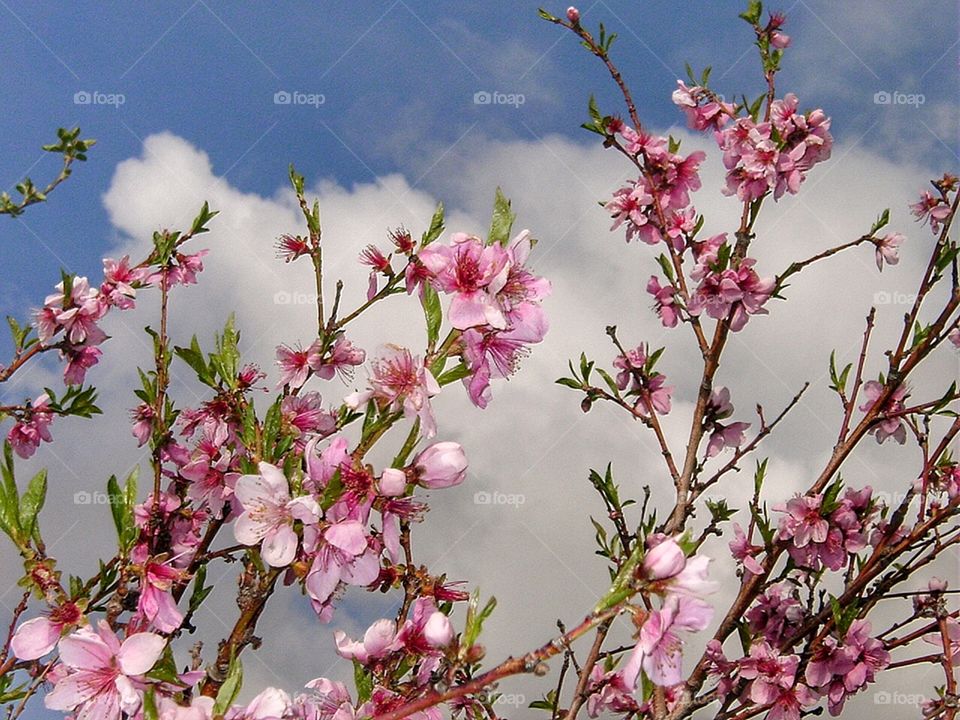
[536,557]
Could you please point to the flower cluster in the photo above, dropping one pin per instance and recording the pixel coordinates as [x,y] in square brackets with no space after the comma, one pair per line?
[821,533]
[637,377]
[680,582]
[774,155]
[496,303]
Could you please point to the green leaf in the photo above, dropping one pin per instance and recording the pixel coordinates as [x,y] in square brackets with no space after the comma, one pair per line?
[200,221]
[475,619]
[753,12]
[31,503]
[363,680]
[231,687]
[502,221]
[435,229]
[433,312]
[881,221]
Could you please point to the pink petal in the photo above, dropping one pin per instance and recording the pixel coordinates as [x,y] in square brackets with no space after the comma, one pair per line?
[35,638]
[140,652]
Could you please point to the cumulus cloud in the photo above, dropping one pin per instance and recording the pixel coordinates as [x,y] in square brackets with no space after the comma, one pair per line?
[533,444]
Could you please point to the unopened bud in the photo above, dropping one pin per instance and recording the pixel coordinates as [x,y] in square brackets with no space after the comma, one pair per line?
[573,15]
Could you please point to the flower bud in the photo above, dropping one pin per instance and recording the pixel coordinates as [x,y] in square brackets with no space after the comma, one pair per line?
[438,631]
[664,560]
[393,482]
[441,465]
[573,15]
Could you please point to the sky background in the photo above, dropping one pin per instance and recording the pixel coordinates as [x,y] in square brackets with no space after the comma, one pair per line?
[398,130]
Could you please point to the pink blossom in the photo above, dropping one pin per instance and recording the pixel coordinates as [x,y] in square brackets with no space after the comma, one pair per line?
[79,360]
[327,700]
[32,428]
[393,482]
[665,301]
[344,554]
[573,15]
[633,204]
[77,314]
[291,247]
[378,641]
[931,209]
[607,691]
[669,571]
[843,669]
[322,466]
[35,638]
[713,113]
[474,273]
[344,356]
[659,650]
[119,280]
[887,427]
[722,435]
[743,551]
[102,674]
[270,704]
[441,465]
[304,415]
[734,294]
[954,337]
[295,365]
[400,380]
[775,613]
[886,249]
[491,353]
[773,682]
[269,513]
[156,604]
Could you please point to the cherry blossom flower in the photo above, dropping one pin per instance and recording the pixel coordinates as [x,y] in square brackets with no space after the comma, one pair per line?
[734,293]
[118,281]
[295,365]
[774,613]
[32,428]
[659,650]
[35,638]
[269,512]
[344,553]
[379,640]
[931,209]
[291,247]
[102,674]
[608,691]
[722,435]
[400,380]
[155,603]
[474,273]
[888,427]
[633,205]
[270,704]
[743,551]
[713,113]
[665,301]
[344,356]
[886,249]
[773,682]
[843,669]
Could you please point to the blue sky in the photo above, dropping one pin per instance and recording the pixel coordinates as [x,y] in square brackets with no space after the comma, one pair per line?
[398,78]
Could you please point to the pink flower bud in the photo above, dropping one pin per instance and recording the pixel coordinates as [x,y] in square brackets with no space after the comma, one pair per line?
[664,560]
[438,631]
[573,15]
[393,482]
[441,465]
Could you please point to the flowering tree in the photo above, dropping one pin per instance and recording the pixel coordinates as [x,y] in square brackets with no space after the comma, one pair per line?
[285,488]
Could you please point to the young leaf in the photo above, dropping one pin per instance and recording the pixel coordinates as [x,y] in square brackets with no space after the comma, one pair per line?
[502,221]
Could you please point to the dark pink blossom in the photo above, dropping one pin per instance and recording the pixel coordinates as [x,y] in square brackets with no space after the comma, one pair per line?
[32,427]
